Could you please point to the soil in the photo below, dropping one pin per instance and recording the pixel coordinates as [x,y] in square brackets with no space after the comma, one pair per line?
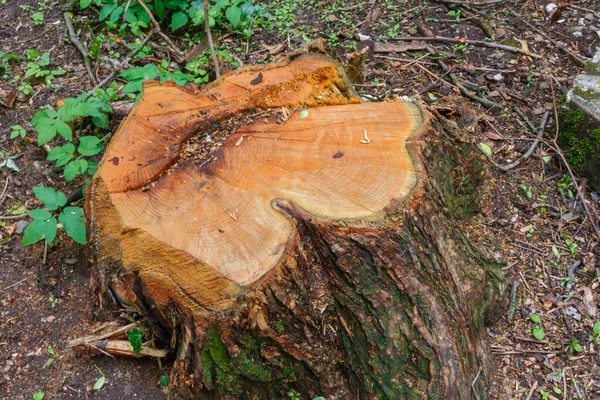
[529,216]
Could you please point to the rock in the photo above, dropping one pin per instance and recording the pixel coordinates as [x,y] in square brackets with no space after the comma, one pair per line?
[21,225]
[580,123]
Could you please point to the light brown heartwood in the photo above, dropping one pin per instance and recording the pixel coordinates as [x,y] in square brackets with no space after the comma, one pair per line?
[313,251]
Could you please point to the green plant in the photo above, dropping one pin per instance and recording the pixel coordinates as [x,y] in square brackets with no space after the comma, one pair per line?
[39,68]
[5,59]
[26,89]
[455,13]
[564,186]
[52,302]
[45,224]
[37,18]
[527,190]
[100,381]
[164,380]
[575,347]
[135,338]
[537,331]
[293,395]
[53,356]
[38,395]
[557,390]
[544,395]
[16,131]
[572,246]
[596,333]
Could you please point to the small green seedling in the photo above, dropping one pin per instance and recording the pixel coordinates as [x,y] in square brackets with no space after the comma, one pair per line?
[52,302]
[537,331]
[53,356]
[575,347]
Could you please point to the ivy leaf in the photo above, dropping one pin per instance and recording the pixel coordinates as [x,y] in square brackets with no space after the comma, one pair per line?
[51,198]
[234,15]
[178,20]
[62,154]
[37,230]
[135,338]
[73,223]
[89,146]
[74,168]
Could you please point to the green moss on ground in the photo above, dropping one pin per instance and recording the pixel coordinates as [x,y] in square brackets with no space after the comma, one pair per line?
[581,146]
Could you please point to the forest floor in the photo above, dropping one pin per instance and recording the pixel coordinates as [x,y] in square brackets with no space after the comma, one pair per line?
[529,215]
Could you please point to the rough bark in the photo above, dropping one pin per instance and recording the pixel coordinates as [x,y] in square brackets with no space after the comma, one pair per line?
[392,307]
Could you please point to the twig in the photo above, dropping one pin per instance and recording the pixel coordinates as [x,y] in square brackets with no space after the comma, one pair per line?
[473,383]
[571,275]
[483,101]
[13,216]
[513,300]
[15,284]
[529,152]
[535,384]
[210,41]
[5,187]
[574,56]
[157,29]
[75,41]
[112,75]
[468,41]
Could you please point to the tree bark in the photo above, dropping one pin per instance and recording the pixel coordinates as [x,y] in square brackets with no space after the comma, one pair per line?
[389,307]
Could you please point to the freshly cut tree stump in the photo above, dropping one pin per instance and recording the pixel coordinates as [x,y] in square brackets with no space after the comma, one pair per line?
[280,235]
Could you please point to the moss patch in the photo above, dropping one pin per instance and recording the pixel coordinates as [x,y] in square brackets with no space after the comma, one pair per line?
[580,140]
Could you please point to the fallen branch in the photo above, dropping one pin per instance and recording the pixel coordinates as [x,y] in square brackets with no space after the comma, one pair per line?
[581,62]
[452,78]
[75,41]
[210,41]
[571,275]
[539,133]
[468,41]
[179,53]
[513,300]
[104,344]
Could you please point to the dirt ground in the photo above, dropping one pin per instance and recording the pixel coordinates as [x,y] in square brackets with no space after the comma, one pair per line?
[527,214]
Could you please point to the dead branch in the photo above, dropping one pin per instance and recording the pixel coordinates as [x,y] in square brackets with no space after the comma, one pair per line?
[539,133]
[210,41]
[452,78]
[82,50]
[470,42]
[157,29]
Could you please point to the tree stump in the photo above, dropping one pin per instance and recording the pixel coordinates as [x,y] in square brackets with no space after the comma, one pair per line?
[314,250]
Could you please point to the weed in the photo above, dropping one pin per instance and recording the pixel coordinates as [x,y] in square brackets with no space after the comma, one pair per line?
[537,331]
[575,347]
[53,356]
[39,69]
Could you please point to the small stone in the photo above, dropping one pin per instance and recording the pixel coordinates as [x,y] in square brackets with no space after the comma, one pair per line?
[21,225]
[48,319]
[71,261]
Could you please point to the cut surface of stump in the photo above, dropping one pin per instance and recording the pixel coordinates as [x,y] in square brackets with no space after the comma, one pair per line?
[226,212]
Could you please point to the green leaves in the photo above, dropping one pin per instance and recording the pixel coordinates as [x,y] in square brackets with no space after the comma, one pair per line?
[47,126]
[89,146]
[164,380]
[45,225]
[538,333]
[38,395]
[234,14]
[485,149]
[16,131]
[136,77]
[51,198]
[74,168]
[62,154]
[73,223]
[135,338]
[179,20]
